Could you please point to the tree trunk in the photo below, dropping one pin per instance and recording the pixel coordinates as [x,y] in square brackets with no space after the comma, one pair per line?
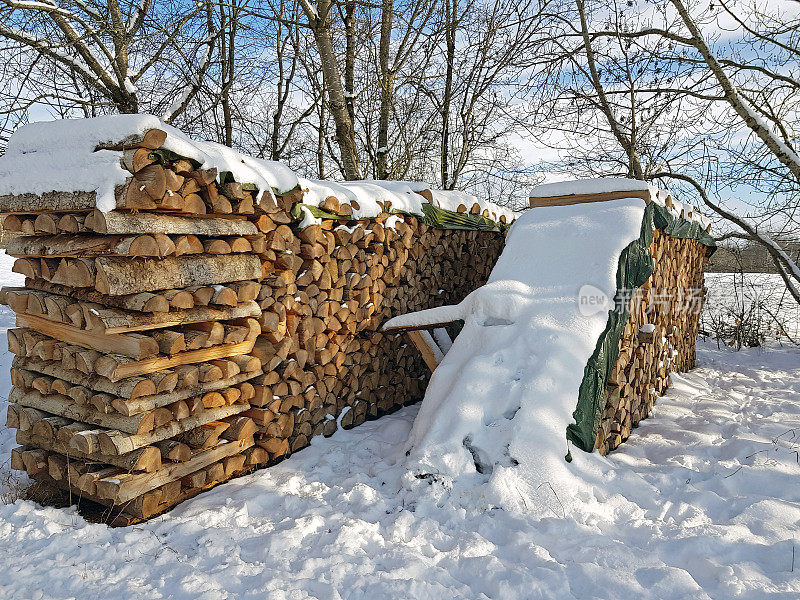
[350,56]
[387,88]
[778,148]
[320,23]
[450,40]
[634,166]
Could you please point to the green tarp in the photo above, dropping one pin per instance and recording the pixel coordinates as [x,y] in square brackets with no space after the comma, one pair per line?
[634,268]
[432,216]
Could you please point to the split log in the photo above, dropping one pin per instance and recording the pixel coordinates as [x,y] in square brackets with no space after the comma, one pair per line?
[111,320]
[63,245]
[62,406]
[141,302]
[117,442]
[147,459]
[126,276]
[134,345]
[149,223]
[117,367]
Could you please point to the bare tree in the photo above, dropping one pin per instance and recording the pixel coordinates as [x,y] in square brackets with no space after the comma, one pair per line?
[319,19]
[64,49]
[486,46]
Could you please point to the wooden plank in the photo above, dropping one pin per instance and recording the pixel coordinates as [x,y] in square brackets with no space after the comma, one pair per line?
[570,199]
[424,348]
[435,325]
[114,370]
[127,487]
[135,345]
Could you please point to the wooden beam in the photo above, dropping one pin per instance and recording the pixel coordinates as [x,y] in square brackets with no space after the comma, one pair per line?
[416,327]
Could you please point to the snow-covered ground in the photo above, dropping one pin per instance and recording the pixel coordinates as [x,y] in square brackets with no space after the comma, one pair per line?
[702,502]
[731,295]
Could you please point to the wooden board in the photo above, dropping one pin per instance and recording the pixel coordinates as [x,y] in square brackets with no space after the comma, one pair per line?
[134,345]
[151,365]
[569,199]
[127,487]
[424,349]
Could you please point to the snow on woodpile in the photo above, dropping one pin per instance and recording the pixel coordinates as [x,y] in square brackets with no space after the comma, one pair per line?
[83,155]
[494,418]
[600,185]
[404,196]
[619,185]
[68,155]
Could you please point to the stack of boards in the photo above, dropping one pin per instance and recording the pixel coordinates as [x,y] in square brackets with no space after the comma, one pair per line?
[133,367]
[195,333]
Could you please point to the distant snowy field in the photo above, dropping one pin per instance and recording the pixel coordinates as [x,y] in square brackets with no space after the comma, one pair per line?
[703,502]
[761,289]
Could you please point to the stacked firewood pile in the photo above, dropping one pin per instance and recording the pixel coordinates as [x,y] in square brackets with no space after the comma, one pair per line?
[133,365]
[327,290]
[198,330]
[659,337]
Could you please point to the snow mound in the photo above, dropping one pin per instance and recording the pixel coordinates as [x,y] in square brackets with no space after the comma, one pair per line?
[494,419]
[600,185]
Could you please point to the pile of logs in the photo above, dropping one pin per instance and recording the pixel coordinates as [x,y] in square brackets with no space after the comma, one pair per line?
[133,361]
[327,289]
[195,333]
[659,337]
